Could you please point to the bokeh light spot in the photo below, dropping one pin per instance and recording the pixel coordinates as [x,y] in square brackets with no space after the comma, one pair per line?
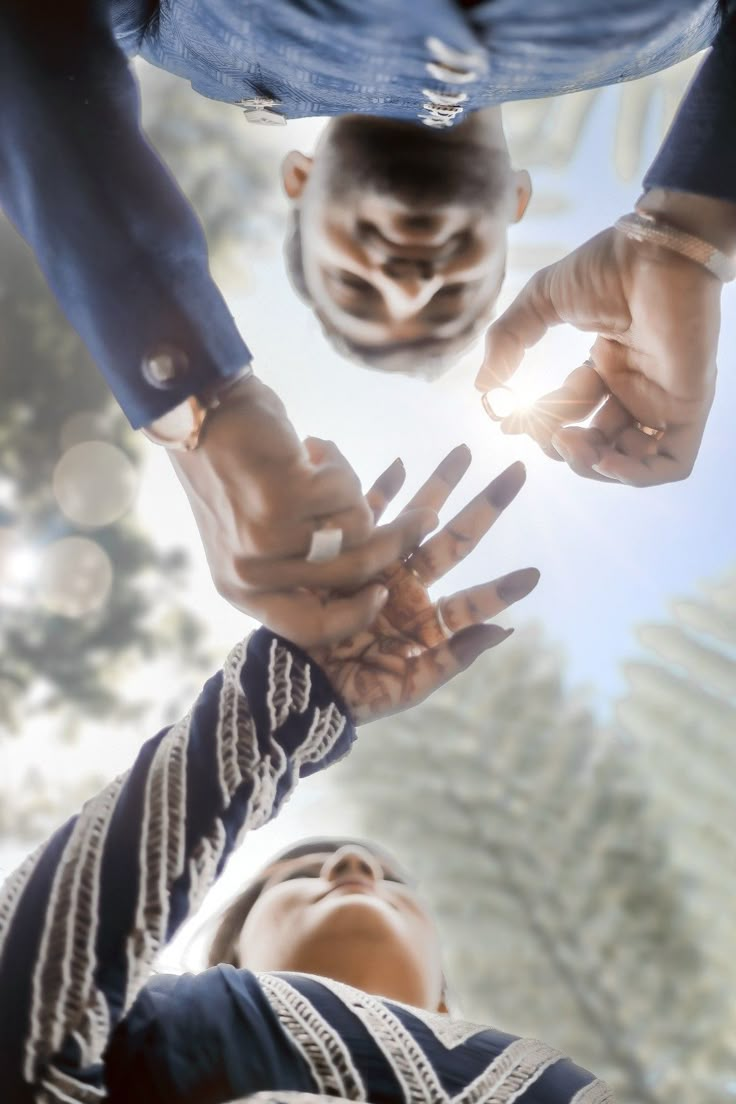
[87,425]
[74,578]
[95,484]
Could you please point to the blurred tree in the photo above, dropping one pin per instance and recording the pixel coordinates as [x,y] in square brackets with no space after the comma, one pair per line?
[52,398]
[532,836]
[228,169]
[49,660]
[681,710]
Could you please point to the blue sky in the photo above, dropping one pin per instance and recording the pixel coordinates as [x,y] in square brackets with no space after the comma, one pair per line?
[611,557]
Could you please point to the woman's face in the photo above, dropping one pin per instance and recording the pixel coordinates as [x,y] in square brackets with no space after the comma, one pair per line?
[349,916]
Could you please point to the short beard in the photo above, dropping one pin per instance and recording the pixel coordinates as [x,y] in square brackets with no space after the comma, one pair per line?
[415,165]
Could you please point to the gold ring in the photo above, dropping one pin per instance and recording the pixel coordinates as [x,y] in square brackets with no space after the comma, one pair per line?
[493,414]
[650,431]
[445,628]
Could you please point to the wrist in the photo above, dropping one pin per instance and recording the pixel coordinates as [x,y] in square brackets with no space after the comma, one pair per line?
[183,427]
[713,220]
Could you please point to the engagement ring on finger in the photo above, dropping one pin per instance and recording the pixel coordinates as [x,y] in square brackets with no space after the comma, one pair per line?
[326,544]
[650,431]
[444,627]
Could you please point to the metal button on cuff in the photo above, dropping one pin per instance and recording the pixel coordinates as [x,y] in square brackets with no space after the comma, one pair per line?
[257,102]
[450,66]
[164,366]
[449,56]
[445,99]
[450,76]
[442,111]
[432,121]
[263,116]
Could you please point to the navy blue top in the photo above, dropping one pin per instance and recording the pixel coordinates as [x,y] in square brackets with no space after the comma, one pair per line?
[83,918]
[120,246]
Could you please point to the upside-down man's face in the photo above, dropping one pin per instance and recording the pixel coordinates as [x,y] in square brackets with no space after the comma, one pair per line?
[403,232]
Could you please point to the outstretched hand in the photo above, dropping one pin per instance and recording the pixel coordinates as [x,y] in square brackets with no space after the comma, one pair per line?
[415,645]
[650,378]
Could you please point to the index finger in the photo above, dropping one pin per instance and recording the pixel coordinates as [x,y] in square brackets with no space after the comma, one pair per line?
[520,327]
[385,489]
[435,492]
[461,535]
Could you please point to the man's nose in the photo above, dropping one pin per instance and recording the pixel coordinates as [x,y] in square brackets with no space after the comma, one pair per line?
[408,269]
[407,286]
[354,861]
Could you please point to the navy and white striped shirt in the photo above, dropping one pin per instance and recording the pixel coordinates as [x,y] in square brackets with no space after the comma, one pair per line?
[83,918]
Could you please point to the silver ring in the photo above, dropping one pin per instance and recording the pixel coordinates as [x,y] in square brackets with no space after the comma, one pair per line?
[326,545]
[446,630]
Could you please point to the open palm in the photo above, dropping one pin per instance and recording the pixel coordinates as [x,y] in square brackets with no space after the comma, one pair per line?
[410,650]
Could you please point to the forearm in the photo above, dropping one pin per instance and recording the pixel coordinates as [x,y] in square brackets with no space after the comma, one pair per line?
[81,923]
[698,155]
[118,243]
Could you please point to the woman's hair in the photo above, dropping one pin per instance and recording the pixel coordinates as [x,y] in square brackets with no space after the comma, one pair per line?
[224,946]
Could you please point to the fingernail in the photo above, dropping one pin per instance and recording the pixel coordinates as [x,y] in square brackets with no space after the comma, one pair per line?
[455,464]
[506,486]
[381,596]
[469,643]
[517,584]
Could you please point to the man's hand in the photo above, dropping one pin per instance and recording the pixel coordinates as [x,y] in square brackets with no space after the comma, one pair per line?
[657,316]
[258,494]
[415,644]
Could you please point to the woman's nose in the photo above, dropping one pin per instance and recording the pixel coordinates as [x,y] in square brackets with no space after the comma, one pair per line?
[351,860]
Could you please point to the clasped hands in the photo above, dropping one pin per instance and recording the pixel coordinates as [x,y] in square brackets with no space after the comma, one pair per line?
[258,493]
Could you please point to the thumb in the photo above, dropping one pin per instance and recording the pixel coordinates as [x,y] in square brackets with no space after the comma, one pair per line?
[318,450]
[520,326]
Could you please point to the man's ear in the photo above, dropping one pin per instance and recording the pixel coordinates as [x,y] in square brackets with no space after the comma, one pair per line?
[295,170]
[523,193]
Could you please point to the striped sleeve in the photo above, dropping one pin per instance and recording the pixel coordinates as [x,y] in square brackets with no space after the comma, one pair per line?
[83,918]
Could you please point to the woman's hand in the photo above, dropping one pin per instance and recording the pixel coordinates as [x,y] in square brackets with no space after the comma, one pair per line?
[415,644]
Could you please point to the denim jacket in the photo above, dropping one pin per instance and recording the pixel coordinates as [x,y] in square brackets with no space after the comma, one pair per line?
[119,244]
